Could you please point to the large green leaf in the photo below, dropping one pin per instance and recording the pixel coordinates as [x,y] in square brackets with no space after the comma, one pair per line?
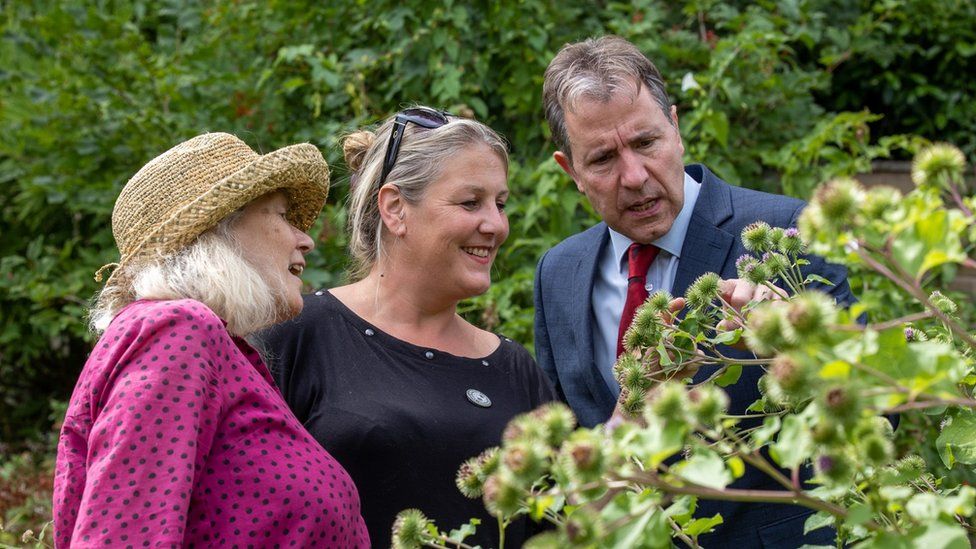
[957,441]
[700,526]
[659,441]
[705,468]
[794,444]
[933,535]
[932,367]
[766,431]
[730,376]
[643,525]
[930,507]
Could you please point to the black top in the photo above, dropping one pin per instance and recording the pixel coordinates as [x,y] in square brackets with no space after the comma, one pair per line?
[398,416]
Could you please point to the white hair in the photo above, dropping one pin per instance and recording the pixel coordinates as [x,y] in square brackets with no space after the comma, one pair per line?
[211,270]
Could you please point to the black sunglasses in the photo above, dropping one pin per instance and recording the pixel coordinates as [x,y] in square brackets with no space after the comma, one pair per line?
[421,116]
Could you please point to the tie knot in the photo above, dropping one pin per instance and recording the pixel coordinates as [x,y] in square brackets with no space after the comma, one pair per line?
[639,259]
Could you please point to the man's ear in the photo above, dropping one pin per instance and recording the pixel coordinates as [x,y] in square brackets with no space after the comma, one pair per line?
[567,165]
[392,209]
[677,130]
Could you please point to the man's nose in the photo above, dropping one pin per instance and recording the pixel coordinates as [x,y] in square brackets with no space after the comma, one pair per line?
[632,171]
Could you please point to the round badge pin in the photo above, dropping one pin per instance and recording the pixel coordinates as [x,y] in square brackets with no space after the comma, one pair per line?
[478,398]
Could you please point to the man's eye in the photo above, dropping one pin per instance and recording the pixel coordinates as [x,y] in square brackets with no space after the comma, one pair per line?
[470,204]
[501,206]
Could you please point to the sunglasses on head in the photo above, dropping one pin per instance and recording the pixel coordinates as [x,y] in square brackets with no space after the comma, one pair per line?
[421,116]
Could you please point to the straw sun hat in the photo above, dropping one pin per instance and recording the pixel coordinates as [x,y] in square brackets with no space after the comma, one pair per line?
[188,189]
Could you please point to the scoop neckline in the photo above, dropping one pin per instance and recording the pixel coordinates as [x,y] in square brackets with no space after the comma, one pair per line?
[362,325]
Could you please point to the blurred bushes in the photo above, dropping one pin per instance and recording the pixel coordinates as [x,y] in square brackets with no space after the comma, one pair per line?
[767,92]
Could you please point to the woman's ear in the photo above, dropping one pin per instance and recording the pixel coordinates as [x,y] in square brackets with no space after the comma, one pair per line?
[392,209]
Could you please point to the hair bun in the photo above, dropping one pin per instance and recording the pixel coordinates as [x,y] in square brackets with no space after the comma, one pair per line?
[354,148]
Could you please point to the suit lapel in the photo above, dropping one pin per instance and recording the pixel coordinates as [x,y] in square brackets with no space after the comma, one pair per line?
[583,276]
[707,245]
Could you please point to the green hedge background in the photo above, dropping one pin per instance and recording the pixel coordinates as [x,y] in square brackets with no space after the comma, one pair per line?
[776,95]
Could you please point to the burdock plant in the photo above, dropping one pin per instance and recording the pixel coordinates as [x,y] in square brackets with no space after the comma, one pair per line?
[410,530]
[939,166]
[758,237]
[829,380]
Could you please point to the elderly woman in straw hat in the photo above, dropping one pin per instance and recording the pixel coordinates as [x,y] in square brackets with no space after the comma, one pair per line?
[383,371]
[175,434]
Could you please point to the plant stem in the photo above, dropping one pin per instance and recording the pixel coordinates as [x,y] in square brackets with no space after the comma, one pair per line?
[726,306]
[881,326]
[783,294]
[733,494]
[715,375]
[743,361]
[892,382]
[797,272]
[915,290]
[957,198]
[457,544]
[754,458]
[923,404]
[681,535]
[750,416]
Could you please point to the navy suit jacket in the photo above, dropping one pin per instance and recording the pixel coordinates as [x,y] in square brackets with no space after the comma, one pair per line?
[564,335]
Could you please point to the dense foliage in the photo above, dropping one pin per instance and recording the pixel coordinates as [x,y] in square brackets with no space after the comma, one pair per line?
[828,382]
[770,95]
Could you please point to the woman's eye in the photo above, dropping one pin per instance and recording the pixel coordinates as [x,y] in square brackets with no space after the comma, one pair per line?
[470,204]
[501,206]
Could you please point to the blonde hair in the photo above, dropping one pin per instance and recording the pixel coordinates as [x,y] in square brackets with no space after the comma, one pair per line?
[422,153]
[211,270]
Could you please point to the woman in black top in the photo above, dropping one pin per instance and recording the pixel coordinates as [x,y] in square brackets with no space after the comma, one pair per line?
[383,372]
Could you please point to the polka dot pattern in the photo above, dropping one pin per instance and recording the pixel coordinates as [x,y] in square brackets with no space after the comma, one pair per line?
[176,436]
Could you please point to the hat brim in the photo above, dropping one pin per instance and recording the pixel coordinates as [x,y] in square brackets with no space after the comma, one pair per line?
[297,170]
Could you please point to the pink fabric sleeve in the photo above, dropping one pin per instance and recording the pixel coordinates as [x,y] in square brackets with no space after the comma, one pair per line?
[153,427]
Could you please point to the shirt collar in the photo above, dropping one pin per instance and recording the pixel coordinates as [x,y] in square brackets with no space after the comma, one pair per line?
[673,240]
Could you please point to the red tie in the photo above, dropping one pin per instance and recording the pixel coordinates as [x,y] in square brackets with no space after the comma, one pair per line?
[639,258]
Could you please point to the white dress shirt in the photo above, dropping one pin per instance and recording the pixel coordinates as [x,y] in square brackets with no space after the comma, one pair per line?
[610,282]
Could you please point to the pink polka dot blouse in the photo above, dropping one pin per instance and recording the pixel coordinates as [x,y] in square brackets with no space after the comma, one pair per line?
[176,436]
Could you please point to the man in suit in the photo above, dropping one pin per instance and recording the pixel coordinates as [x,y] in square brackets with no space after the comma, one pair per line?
[617,137]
